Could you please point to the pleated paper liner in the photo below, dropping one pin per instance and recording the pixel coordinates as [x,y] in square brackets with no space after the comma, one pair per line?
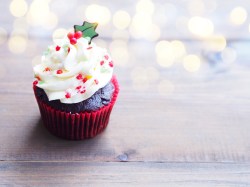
[77,126]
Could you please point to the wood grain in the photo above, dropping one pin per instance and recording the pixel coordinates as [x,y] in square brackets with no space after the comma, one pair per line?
[124,174]
[196,135]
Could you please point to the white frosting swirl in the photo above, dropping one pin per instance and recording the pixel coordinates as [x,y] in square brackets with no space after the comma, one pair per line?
[73,73]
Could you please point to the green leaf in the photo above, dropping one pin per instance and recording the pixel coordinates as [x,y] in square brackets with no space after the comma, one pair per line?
[87,29]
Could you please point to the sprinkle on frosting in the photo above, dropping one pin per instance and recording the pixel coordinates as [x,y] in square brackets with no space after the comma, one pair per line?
[74,71]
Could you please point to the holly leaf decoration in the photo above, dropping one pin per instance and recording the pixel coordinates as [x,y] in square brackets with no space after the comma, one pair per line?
[87,29]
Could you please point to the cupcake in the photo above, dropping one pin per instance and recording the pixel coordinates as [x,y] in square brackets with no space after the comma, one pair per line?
[74,85]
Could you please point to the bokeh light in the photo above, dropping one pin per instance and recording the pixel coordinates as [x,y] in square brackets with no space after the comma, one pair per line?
[18,8]
[17,44]
[238,15]
[168,52]
[191,63]
[145,6]
[38,13]
[121,19]
[200,26]
[97,13]
[215,43]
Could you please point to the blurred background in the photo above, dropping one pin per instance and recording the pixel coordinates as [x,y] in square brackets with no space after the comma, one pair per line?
[159,42]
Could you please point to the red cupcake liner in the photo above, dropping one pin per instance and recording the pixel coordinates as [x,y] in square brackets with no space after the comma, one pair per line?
[77,126]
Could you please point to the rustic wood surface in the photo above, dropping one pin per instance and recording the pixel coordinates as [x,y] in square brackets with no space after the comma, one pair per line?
[197,133]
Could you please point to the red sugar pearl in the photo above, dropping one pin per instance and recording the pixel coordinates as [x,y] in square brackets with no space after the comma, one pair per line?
[101,63]
[96,81]
[58,48]
[78,87]
[59,71]
[79,77]
[106,57]
[78,34]
[73,41]
[111,64]
[82,92]
[67,95]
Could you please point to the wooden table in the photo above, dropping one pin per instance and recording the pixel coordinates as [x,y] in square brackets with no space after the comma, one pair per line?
[195,133]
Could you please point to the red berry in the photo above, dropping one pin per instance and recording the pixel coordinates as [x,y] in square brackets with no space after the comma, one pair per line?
[79,77]
[85,80]
[35,82]
[78,34]
[67,95]
[59,71]
[101,63]
[96,81]
[82,92]
[70,35]
[73,41]
[58,48]
[111,64]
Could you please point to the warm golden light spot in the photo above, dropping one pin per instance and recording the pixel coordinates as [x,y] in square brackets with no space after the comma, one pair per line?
[164,53]
[3,35]
[216,43]
[192,63]
[200,26]
[179,49]
[18,8]
[97,13]
[146,6]
[38,13]
[165,87]
[121,19]
[17,44]
[141,25]
[238,15]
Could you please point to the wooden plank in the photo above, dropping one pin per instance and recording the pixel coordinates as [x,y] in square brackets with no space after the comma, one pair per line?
[124,174]
[200,122]
[205,119]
